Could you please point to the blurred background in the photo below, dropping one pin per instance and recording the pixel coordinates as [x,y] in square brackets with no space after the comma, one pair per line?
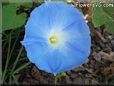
[16,68]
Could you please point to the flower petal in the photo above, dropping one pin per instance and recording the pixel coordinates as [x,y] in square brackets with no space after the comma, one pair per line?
[65,14]
[79,36]
[37,53]
[71,58]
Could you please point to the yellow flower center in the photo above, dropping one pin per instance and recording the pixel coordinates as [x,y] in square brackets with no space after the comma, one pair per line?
[54,39]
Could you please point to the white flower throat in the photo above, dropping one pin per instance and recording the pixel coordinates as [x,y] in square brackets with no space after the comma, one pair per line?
[57,38]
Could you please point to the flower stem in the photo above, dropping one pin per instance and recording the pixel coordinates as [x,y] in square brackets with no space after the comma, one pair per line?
[55,81]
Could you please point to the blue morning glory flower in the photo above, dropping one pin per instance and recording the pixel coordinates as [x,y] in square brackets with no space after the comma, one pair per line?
[57,37]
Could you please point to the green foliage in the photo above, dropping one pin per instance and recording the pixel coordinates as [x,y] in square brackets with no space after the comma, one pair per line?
[25,3]
[58,76]
[104,15]
[58,0]
[11,67]
[20,1]
[10,19]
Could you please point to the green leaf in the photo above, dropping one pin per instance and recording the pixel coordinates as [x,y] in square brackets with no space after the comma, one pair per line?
[28,4]
[0,17]
[0,76]
[58,76]
[20,1]
[25,3]
[99,17]
[58,0]
[109,11]
[110,27]
[104,15]
[15,80]
[10,19]
[21,68]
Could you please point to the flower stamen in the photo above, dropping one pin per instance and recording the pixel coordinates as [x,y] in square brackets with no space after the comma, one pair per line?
[54,39]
